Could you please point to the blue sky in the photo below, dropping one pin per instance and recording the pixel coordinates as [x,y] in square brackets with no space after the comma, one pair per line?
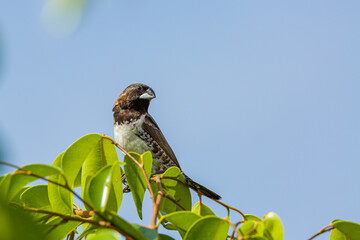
[258,99]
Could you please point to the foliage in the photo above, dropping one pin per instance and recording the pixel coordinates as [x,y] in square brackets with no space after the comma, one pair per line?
[91,163]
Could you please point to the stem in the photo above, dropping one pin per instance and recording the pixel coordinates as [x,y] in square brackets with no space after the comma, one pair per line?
[72,235]
[229,207]
[323,230]
[234,226]
[157,203]
[160,220]
[200,201]
[174,201]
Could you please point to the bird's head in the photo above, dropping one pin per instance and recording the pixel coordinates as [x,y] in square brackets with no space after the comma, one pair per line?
[135,97]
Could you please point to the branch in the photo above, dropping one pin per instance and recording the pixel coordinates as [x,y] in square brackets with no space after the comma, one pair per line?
[323,230]
[157,203]
[71,218]
[64,217]
[137,163]
[24,171]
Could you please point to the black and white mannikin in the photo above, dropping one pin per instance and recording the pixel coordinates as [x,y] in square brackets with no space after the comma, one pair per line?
[136,131]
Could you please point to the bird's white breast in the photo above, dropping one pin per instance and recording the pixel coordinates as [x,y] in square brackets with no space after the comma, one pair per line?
[126,135]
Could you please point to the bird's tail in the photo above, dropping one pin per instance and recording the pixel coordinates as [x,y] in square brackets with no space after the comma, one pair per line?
[201,189]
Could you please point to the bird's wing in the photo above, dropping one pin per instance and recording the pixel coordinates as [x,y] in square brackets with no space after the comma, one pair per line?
[153,129]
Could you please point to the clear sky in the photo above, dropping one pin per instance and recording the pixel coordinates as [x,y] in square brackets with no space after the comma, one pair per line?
[258,99]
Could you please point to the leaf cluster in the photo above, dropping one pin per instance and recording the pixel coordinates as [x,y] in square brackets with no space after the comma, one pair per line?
[91,172]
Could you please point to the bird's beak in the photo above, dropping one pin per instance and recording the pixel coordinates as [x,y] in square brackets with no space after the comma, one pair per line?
[149,94]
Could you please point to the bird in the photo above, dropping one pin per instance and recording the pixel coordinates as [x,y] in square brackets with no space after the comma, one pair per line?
[136,131]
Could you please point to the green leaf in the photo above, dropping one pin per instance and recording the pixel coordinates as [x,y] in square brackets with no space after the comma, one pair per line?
[150,234]
[17,199]
[77,182]
[4,186]
[20,180]
[36,197]
[208,228]
[101,155]
[249,217]
[62,230]
[99,188]
[136,178]
[349,230]
[175,190]
[147,161]
[124,226]
[182,220]
[252,228]
[86,231]
[15,223]
[273,226]
[76,154]
[60,198]
[205,210]
[165,237]
[116,194]
[104,234]
[71,162]
[337,235]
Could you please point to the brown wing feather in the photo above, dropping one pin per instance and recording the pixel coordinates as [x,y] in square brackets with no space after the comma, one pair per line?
[153,129]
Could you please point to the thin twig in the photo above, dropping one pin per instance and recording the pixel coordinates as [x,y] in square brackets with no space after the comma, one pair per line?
[174,201]
[229,207]
[234,226]
[156,206]
[141,166]
[72,235]
[323,230]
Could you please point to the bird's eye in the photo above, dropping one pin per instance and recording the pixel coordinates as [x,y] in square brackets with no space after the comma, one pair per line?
[138,88]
